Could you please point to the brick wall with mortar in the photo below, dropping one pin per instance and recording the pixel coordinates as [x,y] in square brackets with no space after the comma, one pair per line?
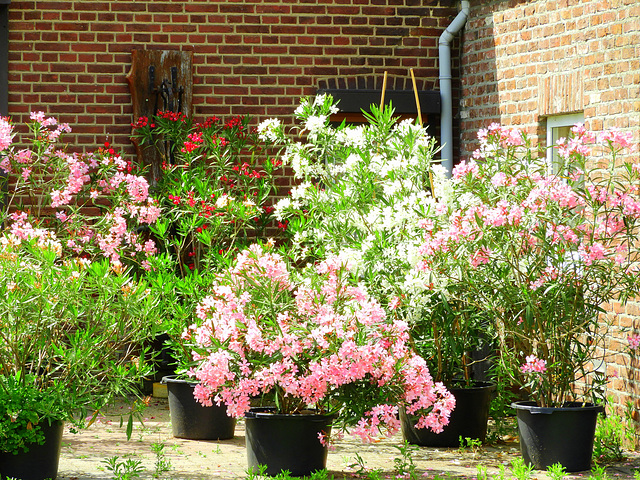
[255,57]
[523,60]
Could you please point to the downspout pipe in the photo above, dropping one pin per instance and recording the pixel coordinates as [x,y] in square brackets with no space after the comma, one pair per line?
[446,92]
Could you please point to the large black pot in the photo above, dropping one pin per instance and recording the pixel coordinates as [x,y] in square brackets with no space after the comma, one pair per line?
[557,435]
[286,441]
[190,420]
[40,462]
[468,420]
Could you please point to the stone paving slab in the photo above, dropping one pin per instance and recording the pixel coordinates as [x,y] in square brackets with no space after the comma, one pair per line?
[84,453]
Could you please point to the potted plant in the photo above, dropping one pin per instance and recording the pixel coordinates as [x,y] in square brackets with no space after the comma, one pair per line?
[297,351]
[363,192]
[72,317]
[214,191]
[541,249]
[70,337]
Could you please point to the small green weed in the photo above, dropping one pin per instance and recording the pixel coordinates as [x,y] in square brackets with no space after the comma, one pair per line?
[127,469]
[609,438]
[520,470]
[162,464]
[598,472]
[358,466]
[467,443]
[556,471]
[404,465]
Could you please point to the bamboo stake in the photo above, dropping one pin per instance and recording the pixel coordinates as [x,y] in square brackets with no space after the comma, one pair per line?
[384,88]
[415,92]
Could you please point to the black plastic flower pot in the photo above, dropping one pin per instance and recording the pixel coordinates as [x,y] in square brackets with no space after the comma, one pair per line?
[40,462]
[468,419]
[286,441]
[562,435]
[190,420]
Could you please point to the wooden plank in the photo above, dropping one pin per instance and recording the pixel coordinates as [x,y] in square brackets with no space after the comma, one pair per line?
[155,80]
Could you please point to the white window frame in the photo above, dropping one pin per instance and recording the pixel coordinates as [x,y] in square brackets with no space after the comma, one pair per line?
[554,125]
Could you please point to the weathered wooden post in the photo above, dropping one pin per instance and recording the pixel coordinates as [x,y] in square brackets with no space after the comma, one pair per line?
[159,80]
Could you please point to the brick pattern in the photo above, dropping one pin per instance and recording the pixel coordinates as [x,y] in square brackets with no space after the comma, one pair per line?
[518,55]
[523,60]
[255,57]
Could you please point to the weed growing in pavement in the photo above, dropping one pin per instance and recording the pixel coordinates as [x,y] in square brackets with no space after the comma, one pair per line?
[556,471]
[520,470]
[598,472]
[162,464]
[126,469]
[473,444]
[404,465]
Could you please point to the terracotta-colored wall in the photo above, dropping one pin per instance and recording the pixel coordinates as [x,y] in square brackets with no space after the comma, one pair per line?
[526,59]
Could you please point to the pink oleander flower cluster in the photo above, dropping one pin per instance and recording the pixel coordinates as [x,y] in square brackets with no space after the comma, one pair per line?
[634,341]
[65,190]
[534,364]
[541,247]
[309,340]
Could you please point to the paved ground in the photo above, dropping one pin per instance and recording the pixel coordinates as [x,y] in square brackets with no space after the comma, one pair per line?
[84,454]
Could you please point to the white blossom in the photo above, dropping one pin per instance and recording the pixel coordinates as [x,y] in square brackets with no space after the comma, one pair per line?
[269,129]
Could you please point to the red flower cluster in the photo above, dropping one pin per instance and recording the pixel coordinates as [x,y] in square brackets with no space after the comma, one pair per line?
[209,122]
[194,141]
[143,122]
[173,116]
[244,170]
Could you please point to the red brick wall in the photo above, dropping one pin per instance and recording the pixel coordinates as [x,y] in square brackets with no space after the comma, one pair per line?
[254,57]
[523,60]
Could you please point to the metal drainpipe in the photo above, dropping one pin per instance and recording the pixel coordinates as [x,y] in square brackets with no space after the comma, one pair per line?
[446,94]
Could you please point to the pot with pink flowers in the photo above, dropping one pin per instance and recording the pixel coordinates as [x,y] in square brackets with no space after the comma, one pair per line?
[311,352]
[542,248]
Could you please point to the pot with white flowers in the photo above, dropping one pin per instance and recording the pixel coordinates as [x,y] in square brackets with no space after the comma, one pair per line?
[310,352]
[450,334]
[541,249]
[363,192]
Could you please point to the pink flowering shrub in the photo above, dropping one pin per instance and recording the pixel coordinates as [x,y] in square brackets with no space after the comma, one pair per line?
[309,340]
[540,249]
[92,204]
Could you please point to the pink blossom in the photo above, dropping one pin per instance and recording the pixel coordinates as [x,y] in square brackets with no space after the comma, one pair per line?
[617,138]
[465,168]
[6,133]
[37,116]
[634,341]
[591,253]
[137,187]
[481,256]
[534,364]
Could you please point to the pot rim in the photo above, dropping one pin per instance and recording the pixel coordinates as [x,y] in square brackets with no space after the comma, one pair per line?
[533,408]
[475,385]
[271,413]
[174,379]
